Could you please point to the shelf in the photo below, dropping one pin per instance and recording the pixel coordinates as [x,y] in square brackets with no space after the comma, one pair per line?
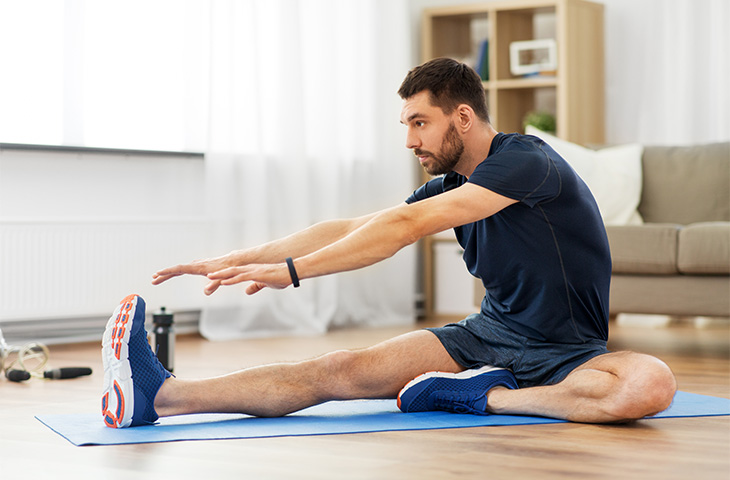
[515,83]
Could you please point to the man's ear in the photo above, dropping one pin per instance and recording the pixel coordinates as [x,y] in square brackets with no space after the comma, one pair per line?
[465,117]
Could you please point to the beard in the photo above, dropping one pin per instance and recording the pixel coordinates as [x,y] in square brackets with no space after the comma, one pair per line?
[452,147]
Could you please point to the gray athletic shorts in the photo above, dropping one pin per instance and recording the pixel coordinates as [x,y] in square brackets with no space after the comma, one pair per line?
[479,340]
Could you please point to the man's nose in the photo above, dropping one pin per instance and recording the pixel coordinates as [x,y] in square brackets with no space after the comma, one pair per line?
[412,141]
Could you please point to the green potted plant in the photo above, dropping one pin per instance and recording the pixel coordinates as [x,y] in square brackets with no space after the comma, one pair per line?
[540,120]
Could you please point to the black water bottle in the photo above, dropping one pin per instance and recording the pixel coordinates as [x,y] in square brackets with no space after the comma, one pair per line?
[164,338]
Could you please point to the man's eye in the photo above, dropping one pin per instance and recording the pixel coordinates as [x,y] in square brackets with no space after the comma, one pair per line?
[419,123]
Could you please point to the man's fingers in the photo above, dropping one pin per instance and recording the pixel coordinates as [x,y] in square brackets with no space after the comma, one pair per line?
[260,277]
[254,288]
[198,268]
[176,271]
[211,287]
[225,273]
[157,278]
[235,279]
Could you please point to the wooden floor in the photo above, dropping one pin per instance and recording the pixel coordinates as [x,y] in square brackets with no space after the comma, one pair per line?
[685,448]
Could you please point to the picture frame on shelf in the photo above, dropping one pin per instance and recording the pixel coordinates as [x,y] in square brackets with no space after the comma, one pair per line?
[533,56]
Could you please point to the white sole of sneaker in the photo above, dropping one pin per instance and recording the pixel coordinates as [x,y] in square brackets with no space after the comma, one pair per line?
[117,402]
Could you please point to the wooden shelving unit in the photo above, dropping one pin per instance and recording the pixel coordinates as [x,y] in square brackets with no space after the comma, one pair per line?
[574,95]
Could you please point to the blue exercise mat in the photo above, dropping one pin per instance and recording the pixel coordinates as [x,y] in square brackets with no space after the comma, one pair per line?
[356,416]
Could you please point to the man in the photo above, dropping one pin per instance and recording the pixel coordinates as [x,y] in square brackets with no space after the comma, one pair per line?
[531,231]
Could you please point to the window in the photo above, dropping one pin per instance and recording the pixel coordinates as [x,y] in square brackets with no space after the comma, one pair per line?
[103,74]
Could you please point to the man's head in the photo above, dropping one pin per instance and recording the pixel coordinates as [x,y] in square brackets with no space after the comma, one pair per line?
[443,99]
[449,83]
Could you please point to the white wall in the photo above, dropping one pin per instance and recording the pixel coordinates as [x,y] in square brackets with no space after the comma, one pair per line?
[61,186]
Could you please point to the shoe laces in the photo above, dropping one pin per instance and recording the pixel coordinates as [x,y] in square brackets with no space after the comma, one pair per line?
[460,402]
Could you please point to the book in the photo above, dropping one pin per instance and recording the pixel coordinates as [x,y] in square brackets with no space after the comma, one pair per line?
[482,67]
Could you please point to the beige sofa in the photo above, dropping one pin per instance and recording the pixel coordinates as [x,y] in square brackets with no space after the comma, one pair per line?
[678,261]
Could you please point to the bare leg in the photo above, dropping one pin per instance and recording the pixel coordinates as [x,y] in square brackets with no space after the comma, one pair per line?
[615,387]
[274,390]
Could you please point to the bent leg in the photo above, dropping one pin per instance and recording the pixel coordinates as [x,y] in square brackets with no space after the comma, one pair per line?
[379,371]
[614,387]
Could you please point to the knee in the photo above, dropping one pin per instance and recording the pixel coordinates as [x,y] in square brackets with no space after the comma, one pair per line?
[338,373]
[646,390]
[348,375]
[658,385]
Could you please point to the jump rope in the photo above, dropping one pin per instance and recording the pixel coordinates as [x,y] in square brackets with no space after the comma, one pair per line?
[20,363]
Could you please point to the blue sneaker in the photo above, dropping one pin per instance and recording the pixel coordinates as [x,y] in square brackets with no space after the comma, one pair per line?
[464,392]
[132,373]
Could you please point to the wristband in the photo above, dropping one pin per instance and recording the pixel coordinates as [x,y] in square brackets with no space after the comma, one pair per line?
[292,272]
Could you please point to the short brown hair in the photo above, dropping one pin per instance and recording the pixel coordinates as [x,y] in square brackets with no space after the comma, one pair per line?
[450,83]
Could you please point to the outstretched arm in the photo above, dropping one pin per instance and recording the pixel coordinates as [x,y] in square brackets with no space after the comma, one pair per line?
[298,244]
[377,238]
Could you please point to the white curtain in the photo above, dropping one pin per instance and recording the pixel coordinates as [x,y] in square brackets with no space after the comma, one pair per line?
[303,127]
[667,71]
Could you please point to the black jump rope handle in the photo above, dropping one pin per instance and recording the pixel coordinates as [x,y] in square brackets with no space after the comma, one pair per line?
[56,374]
[17,375]
[67,372]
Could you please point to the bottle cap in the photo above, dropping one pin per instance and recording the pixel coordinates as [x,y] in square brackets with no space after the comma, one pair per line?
[162,317]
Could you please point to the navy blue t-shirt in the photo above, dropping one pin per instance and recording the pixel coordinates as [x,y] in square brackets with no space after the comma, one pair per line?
[544,261]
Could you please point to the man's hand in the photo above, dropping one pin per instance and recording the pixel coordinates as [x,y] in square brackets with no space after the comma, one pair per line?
[272,276]
[220,272]
[197,267]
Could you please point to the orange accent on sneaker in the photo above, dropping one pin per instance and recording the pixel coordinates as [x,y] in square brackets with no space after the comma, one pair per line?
[120,325]
[112,419]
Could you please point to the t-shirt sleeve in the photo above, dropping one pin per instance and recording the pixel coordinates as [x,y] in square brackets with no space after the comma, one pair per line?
[528,176]
[428,189]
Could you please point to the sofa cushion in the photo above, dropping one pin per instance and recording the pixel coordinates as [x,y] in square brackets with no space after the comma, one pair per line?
[704,248]
[612,174]
[686,184]
[647,249]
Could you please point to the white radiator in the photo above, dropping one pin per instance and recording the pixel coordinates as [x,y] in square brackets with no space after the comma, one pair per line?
[71,271]
[82,229]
